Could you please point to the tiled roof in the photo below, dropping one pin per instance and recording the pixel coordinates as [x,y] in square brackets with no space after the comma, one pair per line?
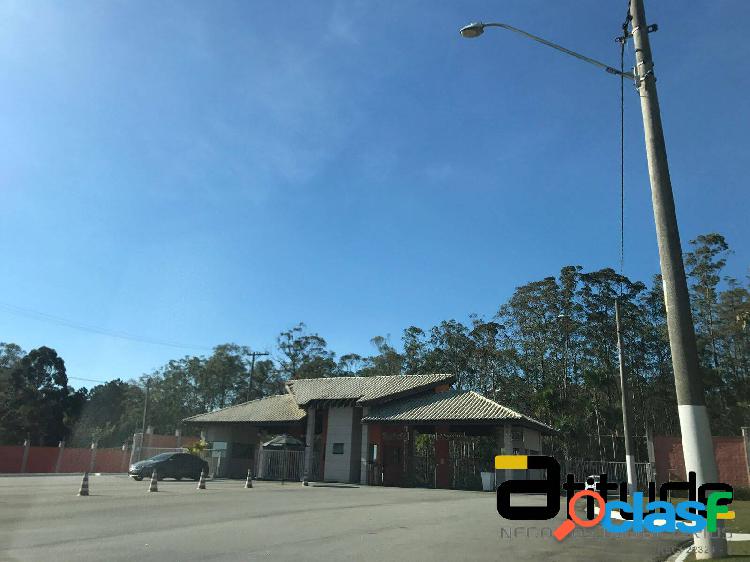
[451,406]
[274,409]
[364,390]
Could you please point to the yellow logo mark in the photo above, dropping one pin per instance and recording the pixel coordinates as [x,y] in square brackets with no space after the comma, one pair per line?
[511,462]
[727,515]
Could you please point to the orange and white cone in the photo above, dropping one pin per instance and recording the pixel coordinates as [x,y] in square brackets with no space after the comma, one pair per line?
[202,481]
[153,487]
[249,481]
[84,491]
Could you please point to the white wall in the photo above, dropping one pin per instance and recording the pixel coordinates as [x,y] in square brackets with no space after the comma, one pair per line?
[338,467]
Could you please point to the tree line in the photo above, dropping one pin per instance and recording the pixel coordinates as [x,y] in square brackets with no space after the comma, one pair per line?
[550,352]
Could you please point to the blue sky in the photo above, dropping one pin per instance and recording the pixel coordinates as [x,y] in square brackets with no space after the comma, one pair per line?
[204,172]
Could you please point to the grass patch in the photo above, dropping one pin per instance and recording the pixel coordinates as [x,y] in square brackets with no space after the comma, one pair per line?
[738,550]
[741,521]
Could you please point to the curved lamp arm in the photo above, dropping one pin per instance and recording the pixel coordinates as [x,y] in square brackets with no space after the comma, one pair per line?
[476,29]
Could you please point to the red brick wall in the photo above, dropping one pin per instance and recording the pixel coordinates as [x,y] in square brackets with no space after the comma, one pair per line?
[42,459]
[111,460]
[169,441]
[11,457]
[730,459]
[75,460]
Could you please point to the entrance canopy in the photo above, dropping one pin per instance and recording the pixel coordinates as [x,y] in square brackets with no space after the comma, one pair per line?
[285,442]
[449,408]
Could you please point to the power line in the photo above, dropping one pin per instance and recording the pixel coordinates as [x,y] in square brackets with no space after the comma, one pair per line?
[623,41]
[60,321]
[88,380]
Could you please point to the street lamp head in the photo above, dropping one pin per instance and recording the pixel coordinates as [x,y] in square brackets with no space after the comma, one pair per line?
[472,30]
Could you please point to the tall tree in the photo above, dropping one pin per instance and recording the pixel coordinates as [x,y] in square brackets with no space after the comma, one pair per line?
[38,399]
[704,265]
[304,355]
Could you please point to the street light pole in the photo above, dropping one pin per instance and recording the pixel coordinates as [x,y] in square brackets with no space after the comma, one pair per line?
[625,398]
[697,444]
[143,423]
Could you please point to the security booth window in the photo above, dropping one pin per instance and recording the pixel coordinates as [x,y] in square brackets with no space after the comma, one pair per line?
[338,448]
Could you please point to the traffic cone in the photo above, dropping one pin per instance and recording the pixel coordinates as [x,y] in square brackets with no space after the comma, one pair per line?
[153,487]
[249,481]
[84,491]
[202,481]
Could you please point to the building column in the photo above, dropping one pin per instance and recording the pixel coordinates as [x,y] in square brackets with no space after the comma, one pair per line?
[442,458]
[124,461]
[92,463]
[60,451]
[25,459]
[309,443]
[364,450]
[507,448]
[746,440]
[409,479]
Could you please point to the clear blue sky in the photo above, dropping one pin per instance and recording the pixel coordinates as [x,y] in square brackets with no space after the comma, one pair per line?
[204,172]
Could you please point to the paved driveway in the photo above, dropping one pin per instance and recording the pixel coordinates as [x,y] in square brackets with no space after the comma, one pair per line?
[42,519]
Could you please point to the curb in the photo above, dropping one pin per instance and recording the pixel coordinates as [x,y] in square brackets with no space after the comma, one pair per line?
[26,474]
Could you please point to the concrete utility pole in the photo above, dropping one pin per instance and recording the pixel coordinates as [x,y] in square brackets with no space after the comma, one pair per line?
[253,354]
[143,423]
[145,410]
[697,444]
[626,414]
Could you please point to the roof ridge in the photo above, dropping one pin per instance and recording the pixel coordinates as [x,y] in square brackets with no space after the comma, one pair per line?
[292,381]
[238,405]
[519,414]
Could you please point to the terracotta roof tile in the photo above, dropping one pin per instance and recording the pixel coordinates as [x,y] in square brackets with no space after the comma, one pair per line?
[273,409]
[452,406]
[363,389]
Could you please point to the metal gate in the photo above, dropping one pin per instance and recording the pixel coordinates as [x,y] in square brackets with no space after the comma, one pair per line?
[467,460]
[468,456]
[615,471]
[424,460]
[285,465]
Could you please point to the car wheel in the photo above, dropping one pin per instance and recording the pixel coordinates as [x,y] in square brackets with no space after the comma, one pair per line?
[137,478]
[178,478]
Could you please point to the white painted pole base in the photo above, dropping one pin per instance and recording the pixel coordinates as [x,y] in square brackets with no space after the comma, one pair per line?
[697,448]
[632,480]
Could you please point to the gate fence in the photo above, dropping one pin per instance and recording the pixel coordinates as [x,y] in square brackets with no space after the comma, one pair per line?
[285,465]
[468,456]
[140,451]
[615,471]
[424,460]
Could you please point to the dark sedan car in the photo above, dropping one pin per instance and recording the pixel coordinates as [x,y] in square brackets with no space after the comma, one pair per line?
[169,465]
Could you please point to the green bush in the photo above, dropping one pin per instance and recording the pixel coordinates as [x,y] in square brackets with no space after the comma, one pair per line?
[197,447]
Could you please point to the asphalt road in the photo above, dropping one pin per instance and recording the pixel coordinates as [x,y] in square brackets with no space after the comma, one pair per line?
[41,518]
